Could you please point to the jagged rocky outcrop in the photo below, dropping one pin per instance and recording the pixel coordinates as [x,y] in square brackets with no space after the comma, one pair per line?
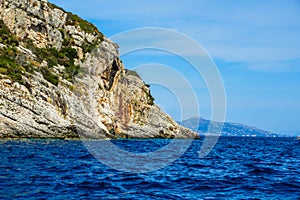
[61,78]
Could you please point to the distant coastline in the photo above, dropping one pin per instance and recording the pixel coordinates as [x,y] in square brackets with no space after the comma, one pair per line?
[202,127]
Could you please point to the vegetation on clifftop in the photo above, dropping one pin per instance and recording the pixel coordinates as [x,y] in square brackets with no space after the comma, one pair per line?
[73,20]
[87,27]
[151,99]
[14,64]
[8,55]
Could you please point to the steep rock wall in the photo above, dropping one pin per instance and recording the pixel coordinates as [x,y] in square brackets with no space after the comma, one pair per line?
[101,99]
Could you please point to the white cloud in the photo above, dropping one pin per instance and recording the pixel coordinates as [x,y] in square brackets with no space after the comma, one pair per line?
[248,31]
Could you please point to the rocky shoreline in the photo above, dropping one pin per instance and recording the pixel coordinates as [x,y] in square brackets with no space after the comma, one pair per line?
[61,78]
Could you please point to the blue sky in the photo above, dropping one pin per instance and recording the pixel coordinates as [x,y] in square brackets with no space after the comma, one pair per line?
[255,44]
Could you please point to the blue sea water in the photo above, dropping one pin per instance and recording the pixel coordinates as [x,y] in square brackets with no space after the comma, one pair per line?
[237,168]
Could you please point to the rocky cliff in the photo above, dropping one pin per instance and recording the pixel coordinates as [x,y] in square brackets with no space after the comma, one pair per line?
[61,78]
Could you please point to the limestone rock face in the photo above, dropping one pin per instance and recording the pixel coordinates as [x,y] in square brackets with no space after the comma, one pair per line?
[103,100]
[35,20]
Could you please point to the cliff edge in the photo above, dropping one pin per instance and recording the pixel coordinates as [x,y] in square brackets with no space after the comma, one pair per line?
[60,77]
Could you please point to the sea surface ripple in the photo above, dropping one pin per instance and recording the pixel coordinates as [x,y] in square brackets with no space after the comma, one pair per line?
[237,168]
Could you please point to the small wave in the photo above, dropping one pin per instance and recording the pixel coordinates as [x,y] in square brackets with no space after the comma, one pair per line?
[263,171]
[240,169]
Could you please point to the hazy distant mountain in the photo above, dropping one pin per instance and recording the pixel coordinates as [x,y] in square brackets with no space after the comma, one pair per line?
[201,126]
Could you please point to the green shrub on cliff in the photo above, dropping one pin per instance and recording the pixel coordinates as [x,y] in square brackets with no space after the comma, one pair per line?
[6,37]
[73,19]
[151,99]
[66,57]
[132,73]
[11,69]
[84,25]
[15,63]
[8,54]
[49,76]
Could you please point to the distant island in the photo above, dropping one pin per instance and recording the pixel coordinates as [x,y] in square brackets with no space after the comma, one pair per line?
[201,126]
